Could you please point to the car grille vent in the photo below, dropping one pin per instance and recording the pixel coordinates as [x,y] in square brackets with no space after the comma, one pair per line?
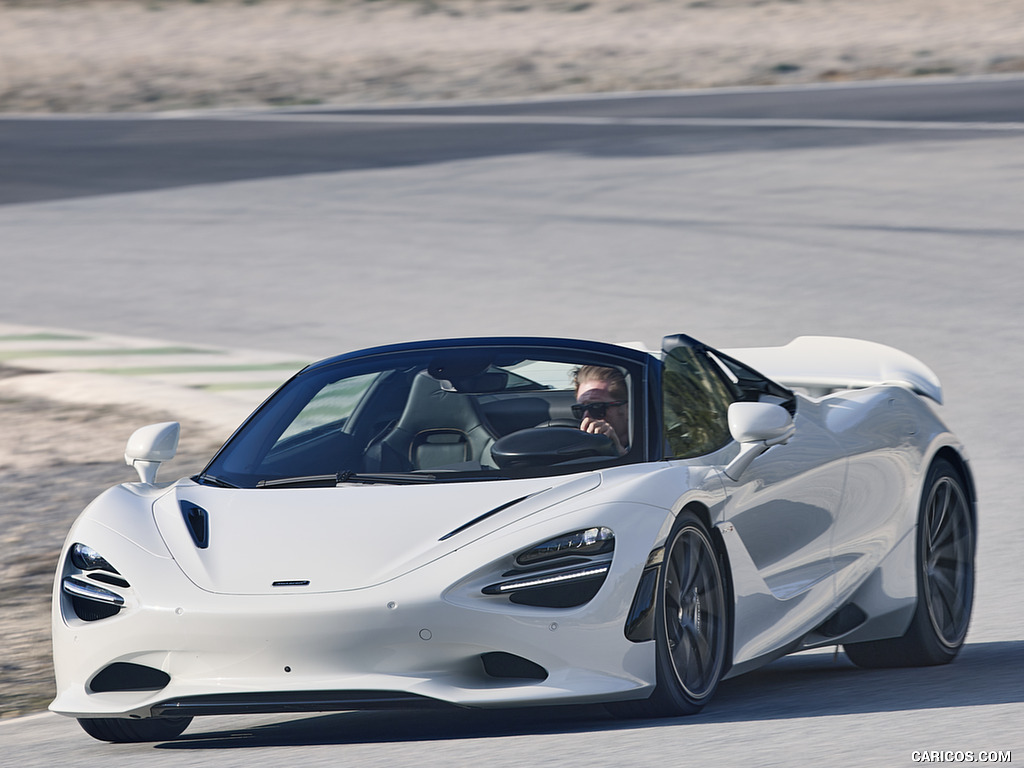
[122,676]
[109,578]
[90,602]
[197,520]
[846,619]
[90,610]
[640,620]
[508,665]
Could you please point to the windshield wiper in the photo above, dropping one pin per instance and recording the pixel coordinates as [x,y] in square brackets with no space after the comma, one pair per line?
[212,480]
[392,478]
[329,481]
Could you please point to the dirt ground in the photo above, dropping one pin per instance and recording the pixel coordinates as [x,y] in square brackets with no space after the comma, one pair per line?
[125,55]
[54,459]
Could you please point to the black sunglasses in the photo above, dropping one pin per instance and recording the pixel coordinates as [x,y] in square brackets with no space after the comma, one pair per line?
[595,410]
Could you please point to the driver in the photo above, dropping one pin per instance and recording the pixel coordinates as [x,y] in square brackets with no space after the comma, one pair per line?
[602,402]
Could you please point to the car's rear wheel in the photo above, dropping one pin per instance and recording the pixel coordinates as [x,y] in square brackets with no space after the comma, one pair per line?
[121,730]
[691,625]
[945,579]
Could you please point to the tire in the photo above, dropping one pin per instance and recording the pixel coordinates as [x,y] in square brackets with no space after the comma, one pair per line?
[691,626]
[945,579]
[123,731]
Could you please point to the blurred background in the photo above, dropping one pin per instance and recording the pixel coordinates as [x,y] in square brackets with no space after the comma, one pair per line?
[115,55]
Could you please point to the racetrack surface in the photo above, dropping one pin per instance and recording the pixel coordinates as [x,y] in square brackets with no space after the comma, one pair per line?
[47,158]
[739,232]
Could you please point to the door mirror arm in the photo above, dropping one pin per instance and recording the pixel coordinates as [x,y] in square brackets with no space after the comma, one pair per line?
[756,427]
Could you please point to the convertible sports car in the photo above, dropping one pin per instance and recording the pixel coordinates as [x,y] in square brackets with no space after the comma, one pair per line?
[427,524]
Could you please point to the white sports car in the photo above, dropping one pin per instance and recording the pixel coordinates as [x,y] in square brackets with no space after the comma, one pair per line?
[511,522]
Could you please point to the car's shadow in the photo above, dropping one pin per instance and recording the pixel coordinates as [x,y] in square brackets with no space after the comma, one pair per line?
[805,685]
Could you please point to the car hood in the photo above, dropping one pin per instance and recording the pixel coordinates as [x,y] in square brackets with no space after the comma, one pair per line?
[280,540]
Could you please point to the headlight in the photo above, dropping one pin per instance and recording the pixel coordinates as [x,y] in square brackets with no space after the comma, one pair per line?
[593,541]
[88,559]
[564,572]
[84,571]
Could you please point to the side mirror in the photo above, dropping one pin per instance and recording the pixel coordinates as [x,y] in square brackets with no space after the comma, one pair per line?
[756,427]
[149,447]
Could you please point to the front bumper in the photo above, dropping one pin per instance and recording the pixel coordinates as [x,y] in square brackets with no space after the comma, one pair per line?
[414,641]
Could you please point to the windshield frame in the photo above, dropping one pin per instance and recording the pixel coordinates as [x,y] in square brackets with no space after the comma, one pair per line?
[295,394]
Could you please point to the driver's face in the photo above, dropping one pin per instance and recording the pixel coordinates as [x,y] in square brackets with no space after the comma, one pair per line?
[616,416]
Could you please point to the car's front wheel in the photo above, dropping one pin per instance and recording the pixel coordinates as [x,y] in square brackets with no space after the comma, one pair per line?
[945,579]
[691,625]
[121,730]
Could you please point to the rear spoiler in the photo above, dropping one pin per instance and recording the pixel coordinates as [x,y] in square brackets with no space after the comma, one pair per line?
[827,363]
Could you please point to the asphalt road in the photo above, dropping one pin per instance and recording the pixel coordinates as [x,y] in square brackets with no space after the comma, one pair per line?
[51,159]
[743,218]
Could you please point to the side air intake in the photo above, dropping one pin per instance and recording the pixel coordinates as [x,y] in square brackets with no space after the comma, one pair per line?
[197,520]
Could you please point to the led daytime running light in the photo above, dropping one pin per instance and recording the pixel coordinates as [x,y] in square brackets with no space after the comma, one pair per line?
[77,588]
[543,581]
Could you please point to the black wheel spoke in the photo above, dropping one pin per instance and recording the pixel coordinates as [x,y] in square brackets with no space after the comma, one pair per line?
[702,655]
[939,510]
[943,581]
[684,648]
[673,592]
[694,558]
[673,580]
[943,538]
[940,609]
[947,598]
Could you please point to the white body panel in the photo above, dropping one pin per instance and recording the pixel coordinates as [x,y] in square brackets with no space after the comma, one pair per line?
[827,363]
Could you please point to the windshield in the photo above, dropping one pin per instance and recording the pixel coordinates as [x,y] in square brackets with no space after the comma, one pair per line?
[428,416]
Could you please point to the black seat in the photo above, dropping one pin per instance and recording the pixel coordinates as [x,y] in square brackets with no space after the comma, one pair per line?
[438,428]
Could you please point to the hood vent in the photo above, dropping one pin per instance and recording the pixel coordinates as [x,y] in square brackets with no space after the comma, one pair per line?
[485,515]
[197,520]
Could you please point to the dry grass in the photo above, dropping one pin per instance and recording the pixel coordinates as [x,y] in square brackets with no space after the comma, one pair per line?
[114,55]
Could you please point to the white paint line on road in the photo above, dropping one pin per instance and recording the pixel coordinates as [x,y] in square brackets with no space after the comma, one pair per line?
[656,122]
[392,118]
[526,101]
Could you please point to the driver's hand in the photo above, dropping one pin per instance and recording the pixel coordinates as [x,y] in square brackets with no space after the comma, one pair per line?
[602,427]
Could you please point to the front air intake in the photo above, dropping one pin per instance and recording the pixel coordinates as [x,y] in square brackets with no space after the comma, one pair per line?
[122,676]
[508,665]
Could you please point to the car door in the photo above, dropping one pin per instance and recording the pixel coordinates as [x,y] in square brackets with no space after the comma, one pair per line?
[779,513]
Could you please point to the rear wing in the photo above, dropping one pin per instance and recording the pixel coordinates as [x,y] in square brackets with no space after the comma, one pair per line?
[822,364]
